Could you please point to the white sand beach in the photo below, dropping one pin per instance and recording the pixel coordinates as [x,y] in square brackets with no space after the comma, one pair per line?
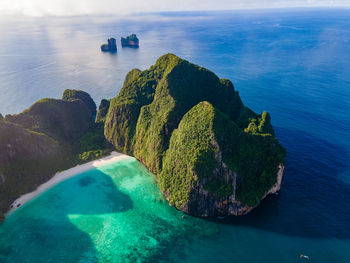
[59,177]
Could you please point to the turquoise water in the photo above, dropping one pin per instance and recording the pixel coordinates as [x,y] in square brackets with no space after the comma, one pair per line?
[293,63]
[114,213]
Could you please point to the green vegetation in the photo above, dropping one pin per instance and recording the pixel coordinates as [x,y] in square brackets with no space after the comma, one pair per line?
[71,95]
[261,125]
[51,136]
[191,156]
[185,124]
[64,121]
[102,111]
[93,155]
[156,119]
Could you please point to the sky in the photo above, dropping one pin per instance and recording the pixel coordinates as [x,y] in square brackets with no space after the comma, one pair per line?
[88,7]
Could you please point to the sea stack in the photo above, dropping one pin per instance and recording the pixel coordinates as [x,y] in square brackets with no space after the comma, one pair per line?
[130,41]
[111,46]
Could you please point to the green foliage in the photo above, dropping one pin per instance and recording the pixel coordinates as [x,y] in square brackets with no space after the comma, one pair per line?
[261,125]
[179,119]
[51,136]
[93,139]
[92,155]
[177,86]
[220,187]
[27,159]
[190,156]
[143,118]
[71,95]
[258,164]
[102,110]
[64,121]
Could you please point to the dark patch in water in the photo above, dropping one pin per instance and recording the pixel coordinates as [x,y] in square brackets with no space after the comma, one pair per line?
[86,180]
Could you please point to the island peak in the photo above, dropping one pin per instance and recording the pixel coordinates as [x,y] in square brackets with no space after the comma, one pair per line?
[211,154]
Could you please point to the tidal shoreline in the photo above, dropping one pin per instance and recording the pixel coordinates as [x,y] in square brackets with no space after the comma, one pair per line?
[64,175]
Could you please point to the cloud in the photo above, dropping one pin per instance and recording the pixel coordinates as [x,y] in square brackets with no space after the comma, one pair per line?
[86,7]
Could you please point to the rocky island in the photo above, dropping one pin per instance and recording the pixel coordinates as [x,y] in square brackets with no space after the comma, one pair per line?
[111,46]
[212,155]
[130,41]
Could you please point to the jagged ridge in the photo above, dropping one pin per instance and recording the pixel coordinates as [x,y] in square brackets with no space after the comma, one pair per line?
[150,106]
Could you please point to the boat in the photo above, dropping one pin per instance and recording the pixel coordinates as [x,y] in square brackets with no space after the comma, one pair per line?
[304,256]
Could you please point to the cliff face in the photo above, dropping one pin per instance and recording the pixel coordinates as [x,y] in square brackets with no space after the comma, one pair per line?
[71,95]
[102,111]
[27,159]
[202,167]
[60,119]
[226,166]
[49,136]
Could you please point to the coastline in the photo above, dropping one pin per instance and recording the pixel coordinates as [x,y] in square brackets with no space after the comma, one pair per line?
[64,175]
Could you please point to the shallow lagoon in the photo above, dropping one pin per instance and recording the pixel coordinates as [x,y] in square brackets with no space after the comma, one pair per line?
[114,213]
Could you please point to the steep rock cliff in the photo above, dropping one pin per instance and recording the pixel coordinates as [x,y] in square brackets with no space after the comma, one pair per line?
[142,119]
[49,136]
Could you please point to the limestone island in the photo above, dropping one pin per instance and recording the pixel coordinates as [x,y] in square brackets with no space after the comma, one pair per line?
[111,46]
[130,41]
[211,154]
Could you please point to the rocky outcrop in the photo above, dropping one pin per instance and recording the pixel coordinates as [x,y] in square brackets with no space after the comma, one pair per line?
[27,159]
[71,95]
[207,142]
[102,110]
[111,46]
[130,41]
[62,120]
[211,154]
[49,136]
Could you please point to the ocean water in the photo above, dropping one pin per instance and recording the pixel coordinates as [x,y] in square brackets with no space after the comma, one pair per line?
[115,213]
[293,63]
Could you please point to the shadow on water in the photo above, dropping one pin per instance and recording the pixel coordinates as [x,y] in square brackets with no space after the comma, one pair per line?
[314,200]
[42,232]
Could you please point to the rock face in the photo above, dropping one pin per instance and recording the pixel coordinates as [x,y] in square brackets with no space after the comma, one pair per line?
[59,119]
[130,41]
[71,95]
[102,110]
[211,154]
[27,159]
[111,46]
[49,136]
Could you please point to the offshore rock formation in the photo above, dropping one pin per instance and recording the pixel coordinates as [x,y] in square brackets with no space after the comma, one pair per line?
[130,41]
[111,46]
[212,155]
[49,136]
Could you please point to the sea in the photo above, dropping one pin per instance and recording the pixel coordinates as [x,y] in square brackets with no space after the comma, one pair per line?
[293,63]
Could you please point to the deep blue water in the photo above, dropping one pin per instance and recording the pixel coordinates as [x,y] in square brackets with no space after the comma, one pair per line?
[293,63]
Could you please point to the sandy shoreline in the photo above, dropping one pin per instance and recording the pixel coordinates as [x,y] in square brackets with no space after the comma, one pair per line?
[59,177]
